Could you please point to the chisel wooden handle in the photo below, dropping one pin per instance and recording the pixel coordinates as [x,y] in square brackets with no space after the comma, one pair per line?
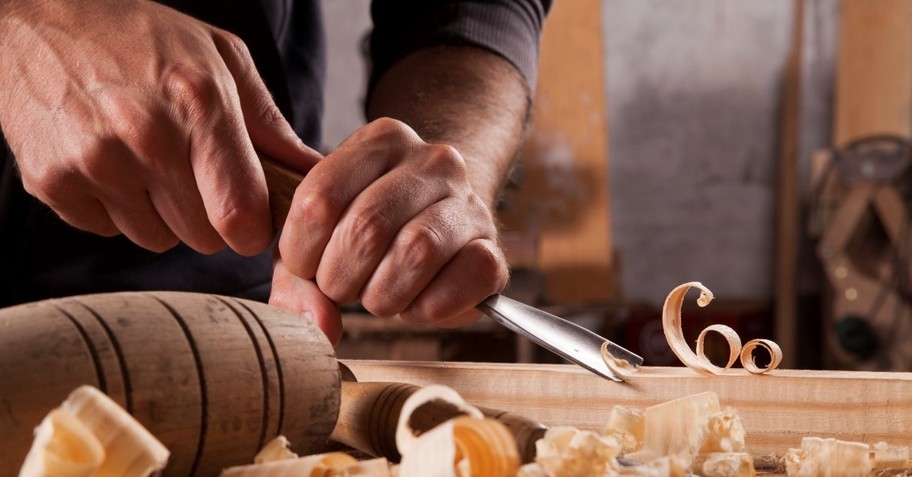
[282,181]
[214,378]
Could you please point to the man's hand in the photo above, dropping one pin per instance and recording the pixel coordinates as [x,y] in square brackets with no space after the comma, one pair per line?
[128,117]
[303,296]
[392,221]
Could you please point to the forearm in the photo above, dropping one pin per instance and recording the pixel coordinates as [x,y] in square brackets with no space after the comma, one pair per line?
[466,97]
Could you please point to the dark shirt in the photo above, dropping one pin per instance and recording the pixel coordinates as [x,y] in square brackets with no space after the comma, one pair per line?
[42,257]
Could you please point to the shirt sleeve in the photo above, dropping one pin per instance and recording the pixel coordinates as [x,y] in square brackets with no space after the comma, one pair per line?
[509,28]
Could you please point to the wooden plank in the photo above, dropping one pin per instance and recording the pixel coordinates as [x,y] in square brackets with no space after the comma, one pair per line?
[788,236]
[874,77]
[564,198]
[777,409]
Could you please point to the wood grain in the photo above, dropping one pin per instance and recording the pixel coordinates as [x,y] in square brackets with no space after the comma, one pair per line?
[777,409]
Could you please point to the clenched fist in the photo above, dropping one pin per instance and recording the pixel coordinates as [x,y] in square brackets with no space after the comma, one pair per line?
[392,221]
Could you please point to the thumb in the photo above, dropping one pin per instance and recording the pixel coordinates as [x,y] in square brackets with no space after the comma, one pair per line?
[303,296]
[269,131]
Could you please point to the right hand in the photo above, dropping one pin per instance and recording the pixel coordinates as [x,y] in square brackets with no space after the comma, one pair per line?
[129,117]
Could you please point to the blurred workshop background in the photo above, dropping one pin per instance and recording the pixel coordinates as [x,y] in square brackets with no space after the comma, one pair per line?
[760,148]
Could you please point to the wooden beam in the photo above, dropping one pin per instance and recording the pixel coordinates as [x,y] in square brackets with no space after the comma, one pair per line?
[564,198]
[874,70]
[777,409]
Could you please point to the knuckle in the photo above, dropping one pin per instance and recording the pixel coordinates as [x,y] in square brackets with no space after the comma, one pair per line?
[382,304]
[191,90]
[423,248]
[235,44]
[228,218]
[490,265]
[426,312]
[44,183]
[445,161]
[331,280]
[385,131]
[316,208]
[388,126]
[369,227]
[126,119]
[270,113]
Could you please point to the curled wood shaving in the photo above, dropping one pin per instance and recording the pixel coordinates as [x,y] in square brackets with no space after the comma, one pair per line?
[91,435]
[747,355]
[406,436]
[671,324]
[463,446]
[620,367]
[731,337]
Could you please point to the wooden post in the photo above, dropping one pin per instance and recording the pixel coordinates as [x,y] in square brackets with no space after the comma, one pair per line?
[788,226]
[565,200]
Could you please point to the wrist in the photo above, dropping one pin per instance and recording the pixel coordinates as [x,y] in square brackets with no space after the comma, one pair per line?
[464,97]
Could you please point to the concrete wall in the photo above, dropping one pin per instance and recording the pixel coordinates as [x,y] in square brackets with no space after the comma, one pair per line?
[347,22]
[693,91]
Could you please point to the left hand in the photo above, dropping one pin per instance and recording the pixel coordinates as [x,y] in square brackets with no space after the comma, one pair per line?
[393,221]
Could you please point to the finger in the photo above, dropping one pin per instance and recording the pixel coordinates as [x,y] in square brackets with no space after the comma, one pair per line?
[69,195]
[329,188]
[476,272]
[169,179]
[90,216]
[183,212]
[420,250]
[225,167]
[296,294]
[372,223]
[269,131]
[137,219]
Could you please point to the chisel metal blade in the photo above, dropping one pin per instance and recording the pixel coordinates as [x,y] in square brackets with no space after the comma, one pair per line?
[565,338]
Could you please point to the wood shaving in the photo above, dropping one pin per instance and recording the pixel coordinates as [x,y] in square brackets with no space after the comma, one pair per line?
[334,464]
[91,435]
[276,449]
[620,367]
[674,334]
[571,452]
[747,355]
[464,446]
[829,457]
